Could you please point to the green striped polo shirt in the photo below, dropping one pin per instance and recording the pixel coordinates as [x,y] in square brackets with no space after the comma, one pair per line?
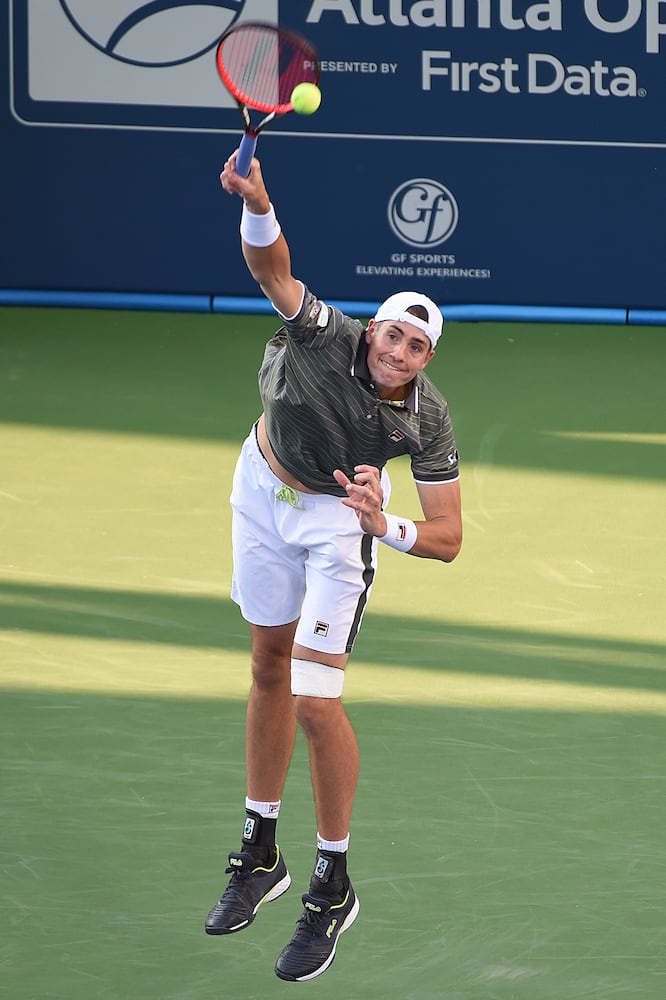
[322,411]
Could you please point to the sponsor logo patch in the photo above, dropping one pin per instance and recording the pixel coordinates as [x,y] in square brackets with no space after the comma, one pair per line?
[321,866]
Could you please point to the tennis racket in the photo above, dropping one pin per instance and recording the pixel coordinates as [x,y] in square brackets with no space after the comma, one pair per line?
[260,64]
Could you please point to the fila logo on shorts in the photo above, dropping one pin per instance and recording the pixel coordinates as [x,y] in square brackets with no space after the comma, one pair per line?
[321,628]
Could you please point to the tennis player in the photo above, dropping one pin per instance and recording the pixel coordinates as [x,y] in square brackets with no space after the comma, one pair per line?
[309,500]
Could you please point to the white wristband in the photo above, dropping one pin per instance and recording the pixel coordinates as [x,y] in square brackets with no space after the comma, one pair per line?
[401,533]
[259,230]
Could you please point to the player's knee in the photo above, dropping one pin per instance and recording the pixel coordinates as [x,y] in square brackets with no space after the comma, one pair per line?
[317,688]
[270,669]
[317,717]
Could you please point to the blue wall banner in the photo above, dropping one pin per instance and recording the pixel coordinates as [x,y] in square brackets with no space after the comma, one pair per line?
[483,151]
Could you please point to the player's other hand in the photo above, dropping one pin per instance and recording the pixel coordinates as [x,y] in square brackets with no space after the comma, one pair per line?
[365,495]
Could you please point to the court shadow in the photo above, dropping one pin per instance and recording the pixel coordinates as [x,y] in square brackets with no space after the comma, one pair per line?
[201,621]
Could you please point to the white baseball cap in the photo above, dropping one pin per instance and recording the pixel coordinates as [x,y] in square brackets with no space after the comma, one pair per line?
[396,306]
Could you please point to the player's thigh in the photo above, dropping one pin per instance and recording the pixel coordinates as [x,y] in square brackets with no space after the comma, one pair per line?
[268,581]
[268,578]
[339,578]
[340,570]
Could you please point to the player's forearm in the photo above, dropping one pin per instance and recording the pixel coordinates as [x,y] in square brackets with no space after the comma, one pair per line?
[440,538]
[264,247]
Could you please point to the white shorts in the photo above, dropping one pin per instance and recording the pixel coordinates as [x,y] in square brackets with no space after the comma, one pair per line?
[310,562]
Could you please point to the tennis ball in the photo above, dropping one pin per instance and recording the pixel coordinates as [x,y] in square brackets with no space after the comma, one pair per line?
[306,98]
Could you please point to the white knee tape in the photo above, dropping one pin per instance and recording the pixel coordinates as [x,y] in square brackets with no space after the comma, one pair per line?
[316,680]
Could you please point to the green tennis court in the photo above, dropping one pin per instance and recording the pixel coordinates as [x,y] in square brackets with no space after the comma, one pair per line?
[508,838]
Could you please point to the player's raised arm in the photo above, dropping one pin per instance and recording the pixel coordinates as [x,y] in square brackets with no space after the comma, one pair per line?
[264,247]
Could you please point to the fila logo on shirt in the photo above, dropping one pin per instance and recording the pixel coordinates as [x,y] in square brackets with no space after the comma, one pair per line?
[396,436]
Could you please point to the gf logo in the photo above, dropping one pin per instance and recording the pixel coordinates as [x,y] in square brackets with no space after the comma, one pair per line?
[422,212]
[153,32]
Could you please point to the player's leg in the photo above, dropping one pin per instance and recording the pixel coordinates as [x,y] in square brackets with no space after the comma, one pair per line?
[339,582]
[332,747]
[258,871]
[331,905]
[268,584]
[271,719]
[334,768]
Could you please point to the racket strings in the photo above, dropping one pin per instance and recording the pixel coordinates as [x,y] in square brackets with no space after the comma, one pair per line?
[261,66]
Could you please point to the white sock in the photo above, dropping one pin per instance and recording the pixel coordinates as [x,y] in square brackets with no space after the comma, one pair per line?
[339,846]
[267,810]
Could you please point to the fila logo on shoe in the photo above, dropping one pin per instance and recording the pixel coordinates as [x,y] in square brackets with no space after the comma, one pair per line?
[313,907]
[331,927]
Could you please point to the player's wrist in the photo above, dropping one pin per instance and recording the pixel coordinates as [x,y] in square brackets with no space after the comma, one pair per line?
[259,229]
[257,206]
[401,533]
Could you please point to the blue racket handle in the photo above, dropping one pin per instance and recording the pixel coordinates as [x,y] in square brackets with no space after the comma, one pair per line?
[245,154]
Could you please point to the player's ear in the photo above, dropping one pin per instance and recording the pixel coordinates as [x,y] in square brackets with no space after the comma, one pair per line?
[369,331]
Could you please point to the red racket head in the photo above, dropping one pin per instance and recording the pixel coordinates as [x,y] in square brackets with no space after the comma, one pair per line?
[260,64]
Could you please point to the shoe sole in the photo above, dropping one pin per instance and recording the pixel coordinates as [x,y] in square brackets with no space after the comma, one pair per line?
[349,920]
[278,889]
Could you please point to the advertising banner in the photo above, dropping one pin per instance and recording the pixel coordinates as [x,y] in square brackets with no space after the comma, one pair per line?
[484,151]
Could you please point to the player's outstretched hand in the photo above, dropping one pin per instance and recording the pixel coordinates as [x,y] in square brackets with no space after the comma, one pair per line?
[365,495]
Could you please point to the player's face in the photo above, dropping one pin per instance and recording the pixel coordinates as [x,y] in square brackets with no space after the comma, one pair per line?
[396,352]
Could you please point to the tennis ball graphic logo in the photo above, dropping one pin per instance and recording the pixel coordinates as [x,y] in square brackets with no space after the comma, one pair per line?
[152,32]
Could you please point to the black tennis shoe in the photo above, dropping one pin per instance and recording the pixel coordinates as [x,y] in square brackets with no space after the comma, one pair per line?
[312,948]
[250,885]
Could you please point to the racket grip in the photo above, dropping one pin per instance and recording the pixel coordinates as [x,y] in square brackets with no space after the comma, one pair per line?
[245,154]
